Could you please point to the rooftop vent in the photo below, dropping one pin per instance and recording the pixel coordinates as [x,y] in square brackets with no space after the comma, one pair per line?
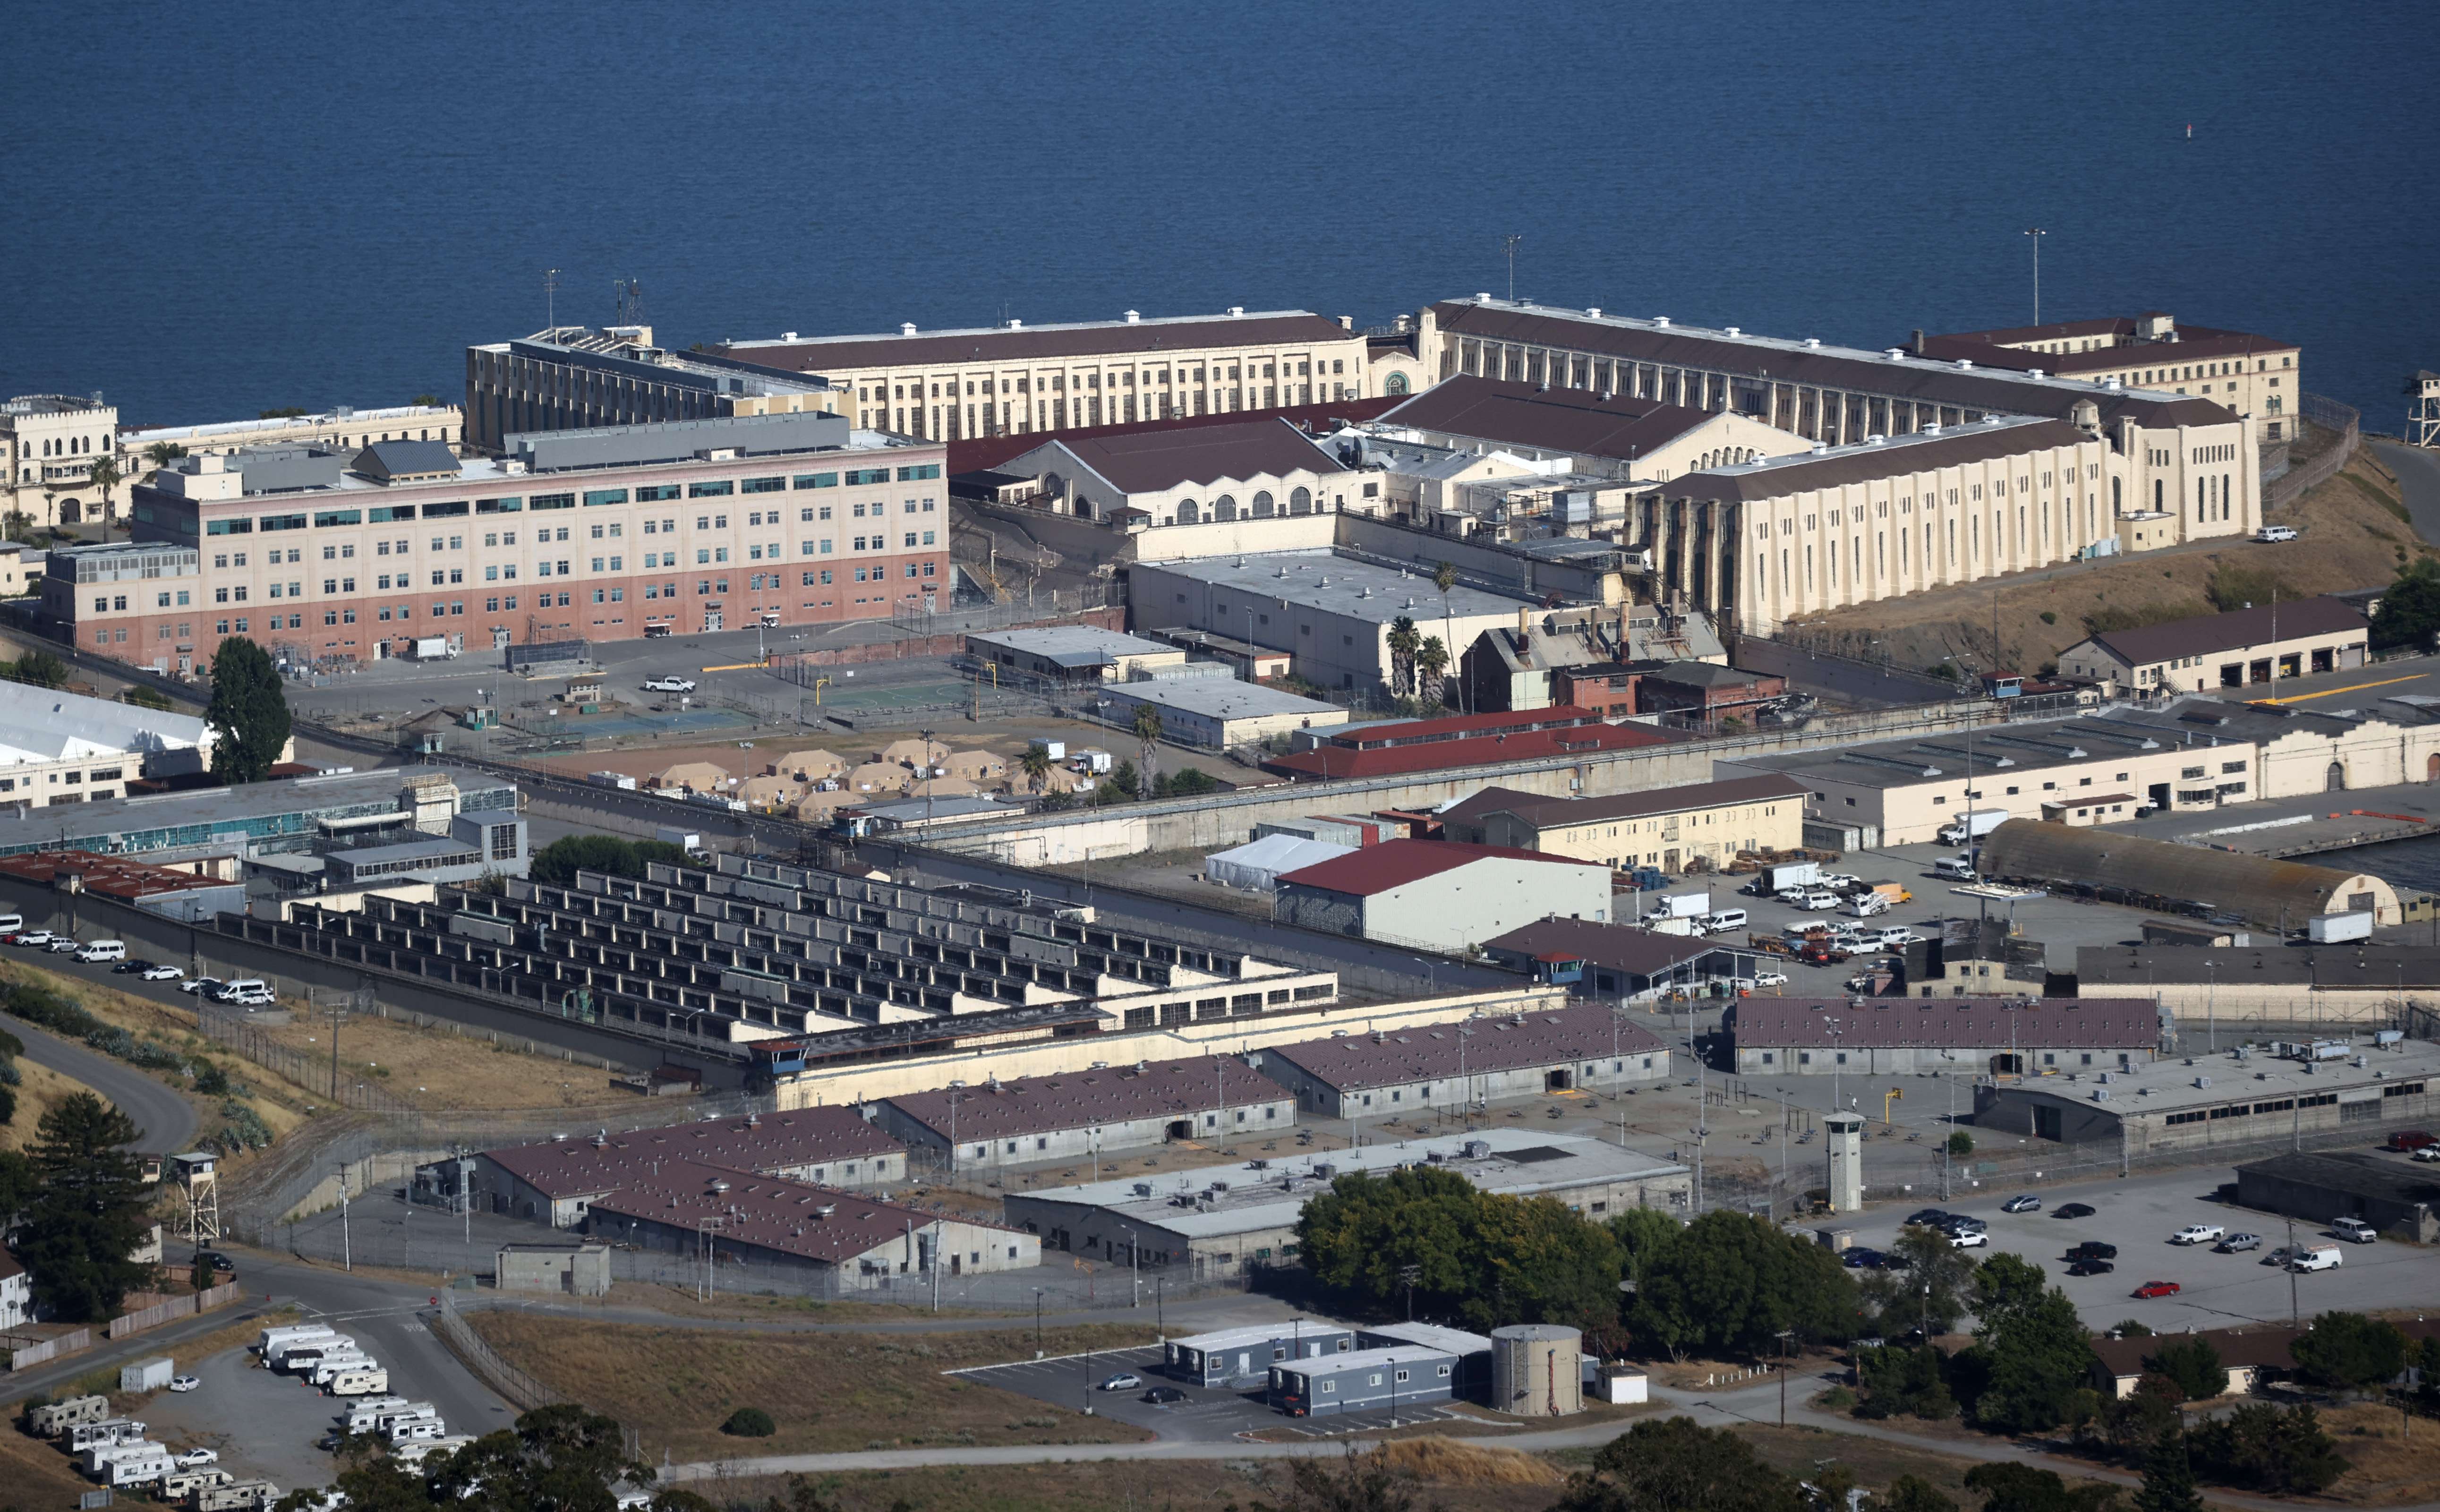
[1813,341]
[1964,365]
[787,335]
[1932,429]
[1876,440]
[1236,312]
[1593,310]
[1662,321]
[1016,325]
[1133,317]
[1735,331]
[2035,372]
[907,329]
[1897,353]
[1483,299]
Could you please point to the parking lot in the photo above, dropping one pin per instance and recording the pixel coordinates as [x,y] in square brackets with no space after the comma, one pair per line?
[2139,1215]
[1207,1414]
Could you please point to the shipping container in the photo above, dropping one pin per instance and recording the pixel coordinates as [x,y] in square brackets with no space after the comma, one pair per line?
[2323,927]
[147,1374]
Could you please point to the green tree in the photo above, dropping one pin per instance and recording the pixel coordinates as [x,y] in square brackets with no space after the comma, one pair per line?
[1361,1482]
[2132,1328]
[1896,1379]
[558,862]
[1188,782]
[1642,1232]
[1147,729]
[2260,1448]
[42,669]
[1431,664]
[1444,578]
[1487,1258]
[2350,1351]
[2410,611]
[249,711]
[144,697]
[2034,1355]
[2168,1477]
[1730,1282]
[106,477]
[1036,765]
[1676,1465]
[161,453]
[1404,642]
[2194,1364]
[16,1186]
[2138,1421]
[86,1212]
[1930,1292]
[1910,1493]
[1960,1143]
[2010,1485]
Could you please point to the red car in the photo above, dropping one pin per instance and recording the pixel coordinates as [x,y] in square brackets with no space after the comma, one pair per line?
[2408,1141]
[2156,1288]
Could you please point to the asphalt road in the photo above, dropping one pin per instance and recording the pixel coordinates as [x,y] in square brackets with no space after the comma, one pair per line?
[2418,476]
[168,1120]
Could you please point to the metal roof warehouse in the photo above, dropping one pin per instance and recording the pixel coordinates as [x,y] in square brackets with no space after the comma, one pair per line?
[1360,1075]
[1940,1036]
[1077,1113]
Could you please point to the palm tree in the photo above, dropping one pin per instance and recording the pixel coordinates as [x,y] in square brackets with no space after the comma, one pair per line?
[1431,659]
[1403,640]
[105,476]
[1148,733]
[161,453]
[1444,578]
[1036,765]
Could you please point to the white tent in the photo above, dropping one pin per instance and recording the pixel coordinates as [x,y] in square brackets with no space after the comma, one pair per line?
[1258,864]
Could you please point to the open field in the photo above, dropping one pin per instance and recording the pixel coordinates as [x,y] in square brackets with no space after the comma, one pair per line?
[828,1393]
[2394,1464]
[2355,534]
[39,1090]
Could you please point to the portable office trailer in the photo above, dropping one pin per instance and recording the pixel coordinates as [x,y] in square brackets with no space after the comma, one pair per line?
[1249,1353]
[359,1382]
[236,1496]
[422,1427]
[416,1453]
[1363,1380]
[382,1419]
[303,1354]
[97,1455]
[54,1418]
[329,1367]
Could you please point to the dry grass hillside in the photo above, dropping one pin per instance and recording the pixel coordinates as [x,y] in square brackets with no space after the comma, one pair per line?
[2354,534]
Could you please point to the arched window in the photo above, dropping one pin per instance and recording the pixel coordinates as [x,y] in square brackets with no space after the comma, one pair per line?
[1262,505]
[71,511]
[1224,508]
[1398,384]
[1189,513]
[1301,501]
[1054,487]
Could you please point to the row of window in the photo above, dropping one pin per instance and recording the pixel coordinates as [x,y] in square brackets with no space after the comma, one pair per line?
[1058,383]
[2281,1105]
[652,492]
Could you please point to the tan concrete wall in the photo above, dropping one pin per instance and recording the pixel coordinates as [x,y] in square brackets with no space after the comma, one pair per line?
[2199,1005]
[1716,833]
[863,1083]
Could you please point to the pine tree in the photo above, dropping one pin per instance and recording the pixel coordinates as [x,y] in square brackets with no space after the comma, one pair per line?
[86,1214]
[2168,1477]
[249,711]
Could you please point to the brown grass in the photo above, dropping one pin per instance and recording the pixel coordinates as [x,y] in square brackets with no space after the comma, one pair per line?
[37,1473]
[2393,1463]
[1440,1460]
[39,1090]
[1104,1486]
[829,1393]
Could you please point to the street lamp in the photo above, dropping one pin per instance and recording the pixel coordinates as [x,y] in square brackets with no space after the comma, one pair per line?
[2210,1004]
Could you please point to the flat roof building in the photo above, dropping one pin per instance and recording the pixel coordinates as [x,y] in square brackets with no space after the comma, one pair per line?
[1223,1221]
[2400,1200]
[1391,1375]
[2232,650]
[1442,893]
[1617,961]
[1229,1355]
[187,896]
[571,377]
[284,814]
[61,746]
[1940,1036]
[1073,653]
[1220,714]
[1468,1063]
[1076,1114]
[1469,740]
[2243,1097]
[340,428]
[1668,827]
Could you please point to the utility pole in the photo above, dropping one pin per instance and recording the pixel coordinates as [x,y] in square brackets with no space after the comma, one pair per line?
[2294,1312]
[1510,241]
[1784,1336]
[551,299]
[2038,233]
[347,1246]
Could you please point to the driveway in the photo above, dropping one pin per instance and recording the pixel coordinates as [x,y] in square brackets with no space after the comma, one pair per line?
[166,1118]
[2418,476]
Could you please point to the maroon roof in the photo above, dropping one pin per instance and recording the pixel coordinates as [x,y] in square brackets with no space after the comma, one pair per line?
[1352,1062]
[1917,453]
[1479,751]
[2255,1345]
[979,453]
[2205,635]
[1619,946]
[772,1212]
[1385,732]
[1035,1105]
[772,1141]
[1559,419]
[1149,461]
[1040,343]
[1377,869]
[2195,344]
[1945,1023]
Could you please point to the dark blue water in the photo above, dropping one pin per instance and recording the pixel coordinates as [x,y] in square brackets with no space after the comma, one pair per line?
[218,209]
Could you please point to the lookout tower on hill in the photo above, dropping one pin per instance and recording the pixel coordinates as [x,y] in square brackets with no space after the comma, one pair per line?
[201,1183]
[2423,409]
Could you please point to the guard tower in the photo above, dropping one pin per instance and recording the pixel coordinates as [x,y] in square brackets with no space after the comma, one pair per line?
[198,1178]
[1845,1137]
[2423,409]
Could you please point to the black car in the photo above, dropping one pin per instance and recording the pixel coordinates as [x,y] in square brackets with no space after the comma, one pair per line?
[2093,1250]
[1160,1395]
[1929,1217]
[1895,1261]
[2071,1209]
[130,967]
[1859,1258]
[2091,1265]
[218,1261]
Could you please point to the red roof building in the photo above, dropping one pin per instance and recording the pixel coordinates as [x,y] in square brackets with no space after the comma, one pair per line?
[1440,894]
[1333,761]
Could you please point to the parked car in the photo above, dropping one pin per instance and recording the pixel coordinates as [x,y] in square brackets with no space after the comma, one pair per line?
[188,1383]
[62,943]
[1160,1395]
[1814,900]
[202,985]
[130,966]
[2091,1267]
[669,685]
[2429,1152]
[2355,1231]
[2317,1257]
[1861,1258]
[2093,1250]
[196,1456]
[2283,1254]
[2197,1234]
[35,939]
[153,973]
[1779,979]
[1968,1238]
[2407,1140]
[1123,1381]
[1929,1217]
[219,1262]
[2235,1242]
[2156,1288]
[2021,1204]
[2071,1209]
[2275,533]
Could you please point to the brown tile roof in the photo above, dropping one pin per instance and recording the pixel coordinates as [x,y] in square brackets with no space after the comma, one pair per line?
[1492,800]
[2207,635]
[1039,343]
[2255,1346]
[1559,419]
[1619,946]
[1352,1062]
[2194,344]
[1922,452]
[1548,813]
[1332,761]
[773,1141]
[1151,461]
[1944,1023]
[112,876]
[1377,869]
[772,1212]
[1037,1104]
[1788,361]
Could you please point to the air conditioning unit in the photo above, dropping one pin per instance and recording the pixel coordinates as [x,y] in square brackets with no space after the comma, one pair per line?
[2203,1081]
[2101,1094]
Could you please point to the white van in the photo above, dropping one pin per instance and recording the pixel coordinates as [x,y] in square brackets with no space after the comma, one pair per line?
[1722,922]
[241,987]
[1956,867]
[359,1382]
[12,923]
[2355,1231]
[103,950]
[2318,1257]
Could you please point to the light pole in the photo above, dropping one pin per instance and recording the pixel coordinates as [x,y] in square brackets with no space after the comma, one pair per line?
[1785,1335]
[1465,1082]
[2038,233]
[2210,1004]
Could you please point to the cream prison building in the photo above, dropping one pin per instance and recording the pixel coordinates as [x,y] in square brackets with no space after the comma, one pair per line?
[2253,375]
[48,446]
[999,380]
[340,427]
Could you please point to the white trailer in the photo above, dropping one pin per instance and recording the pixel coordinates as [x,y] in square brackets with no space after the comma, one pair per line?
[2327,927]
[416,1453]
[299,1355]
[236,1496]
[331,1367]
[1680,906]
[422,1429]
[178,1484]
[359,1382]
[54,1418]
[138,1469]
[83,1436]
[98,1455]
[1787,874]
[263,1345]
[383,1420]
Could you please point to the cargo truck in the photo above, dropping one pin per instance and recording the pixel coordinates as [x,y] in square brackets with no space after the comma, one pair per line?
[433,648]
[1679,906]
[1972,825]
[1786,875]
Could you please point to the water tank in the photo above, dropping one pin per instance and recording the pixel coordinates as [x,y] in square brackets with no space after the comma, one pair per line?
[1538,1370]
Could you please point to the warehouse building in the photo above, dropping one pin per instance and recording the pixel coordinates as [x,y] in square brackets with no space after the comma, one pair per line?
[287,815]
[1469,1063]
[1940,1036]
[1618,962]
[2399,1200]
[2232,650]
[1218,714]
[556,1182]
[1668,827]
[1076,1114]
[2159,873]
[1227,1220]
[1392,1376]
[1444,894]
[2244,1096]
[847,1240]
[1392,749]
[2348,982]
[1073,653]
